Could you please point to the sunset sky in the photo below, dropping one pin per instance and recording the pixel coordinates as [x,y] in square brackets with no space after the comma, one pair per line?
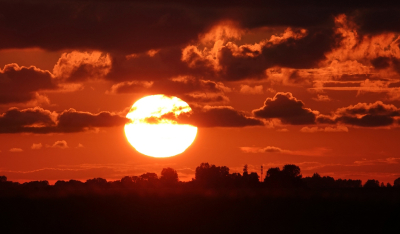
[316,84]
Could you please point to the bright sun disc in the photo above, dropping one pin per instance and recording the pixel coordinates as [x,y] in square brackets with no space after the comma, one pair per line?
[152,135]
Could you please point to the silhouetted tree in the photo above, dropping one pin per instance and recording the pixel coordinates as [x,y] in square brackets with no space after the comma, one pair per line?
[60,183]
[128,181]
[340,183]
[148,179]
[96,182]
[291,171]
[371,184]
[212,176]
[388,185]
[396,182]
[235,180]
[289,176]
[36,185]
[3,179]
[274,177]
[316,181]
[169,176]
[251,180]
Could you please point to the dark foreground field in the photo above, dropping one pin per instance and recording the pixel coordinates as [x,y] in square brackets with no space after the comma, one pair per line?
[269,211]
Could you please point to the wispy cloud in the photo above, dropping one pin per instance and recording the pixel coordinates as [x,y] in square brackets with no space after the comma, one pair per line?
[272,149]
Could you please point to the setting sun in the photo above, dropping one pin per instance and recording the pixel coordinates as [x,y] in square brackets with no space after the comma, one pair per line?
[151,134]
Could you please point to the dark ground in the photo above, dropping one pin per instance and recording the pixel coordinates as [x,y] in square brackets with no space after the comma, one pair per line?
[208,211]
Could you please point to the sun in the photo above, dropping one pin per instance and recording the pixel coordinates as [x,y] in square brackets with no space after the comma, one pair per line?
[154,135]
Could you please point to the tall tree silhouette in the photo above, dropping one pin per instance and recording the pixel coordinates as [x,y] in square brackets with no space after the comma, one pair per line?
[289,176]
[396,182]
[148,180]
[371,184]
[211,175]
[169,176]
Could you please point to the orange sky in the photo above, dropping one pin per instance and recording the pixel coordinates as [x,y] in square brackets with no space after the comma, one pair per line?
[319,88]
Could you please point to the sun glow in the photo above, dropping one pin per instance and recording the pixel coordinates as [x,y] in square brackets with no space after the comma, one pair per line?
[154,135]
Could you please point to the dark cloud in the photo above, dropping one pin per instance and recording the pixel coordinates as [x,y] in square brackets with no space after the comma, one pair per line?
[173,86]
[218,116]
[385,62]
[205,98]
[394,85]
[296,49]
[72,120]
[27,120]
[378,20]
[375,114]
[287,108]
[38,120]
[381,62]
[188,88]
[138,26]
[130,26]
[305,52]
[242,67]
[377,108]
[367,120]
[163,64]
[20,84]
[81,66]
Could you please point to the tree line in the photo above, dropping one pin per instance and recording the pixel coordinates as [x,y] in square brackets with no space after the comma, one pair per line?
[206,176]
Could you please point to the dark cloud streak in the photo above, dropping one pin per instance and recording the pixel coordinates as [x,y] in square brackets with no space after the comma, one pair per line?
[38,120]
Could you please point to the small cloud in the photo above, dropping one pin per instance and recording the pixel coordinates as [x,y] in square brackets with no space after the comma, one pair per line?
[15,150]
[36,146]
[338,128]
[268,149]
[258,89]
[365,162]
[282,130]
[79,145]
[322,98]
[272,149]
[60,144]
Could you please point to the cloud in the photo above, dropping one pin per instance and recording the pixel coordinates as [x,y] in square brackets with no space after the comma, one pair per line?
[130,87]
[272,149]
[27,120]
[16,150]
[80,66]
[75,121]
[245,89]
[375,21]
[163,65]
[188,88]
[122,26]
[338,128]
[39,120]
[322,98]
[218,116]
[268,149]
[365,162]
[287,109]
[228,60]
[36,146]
[21,84]
[375,114]
[60,144]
